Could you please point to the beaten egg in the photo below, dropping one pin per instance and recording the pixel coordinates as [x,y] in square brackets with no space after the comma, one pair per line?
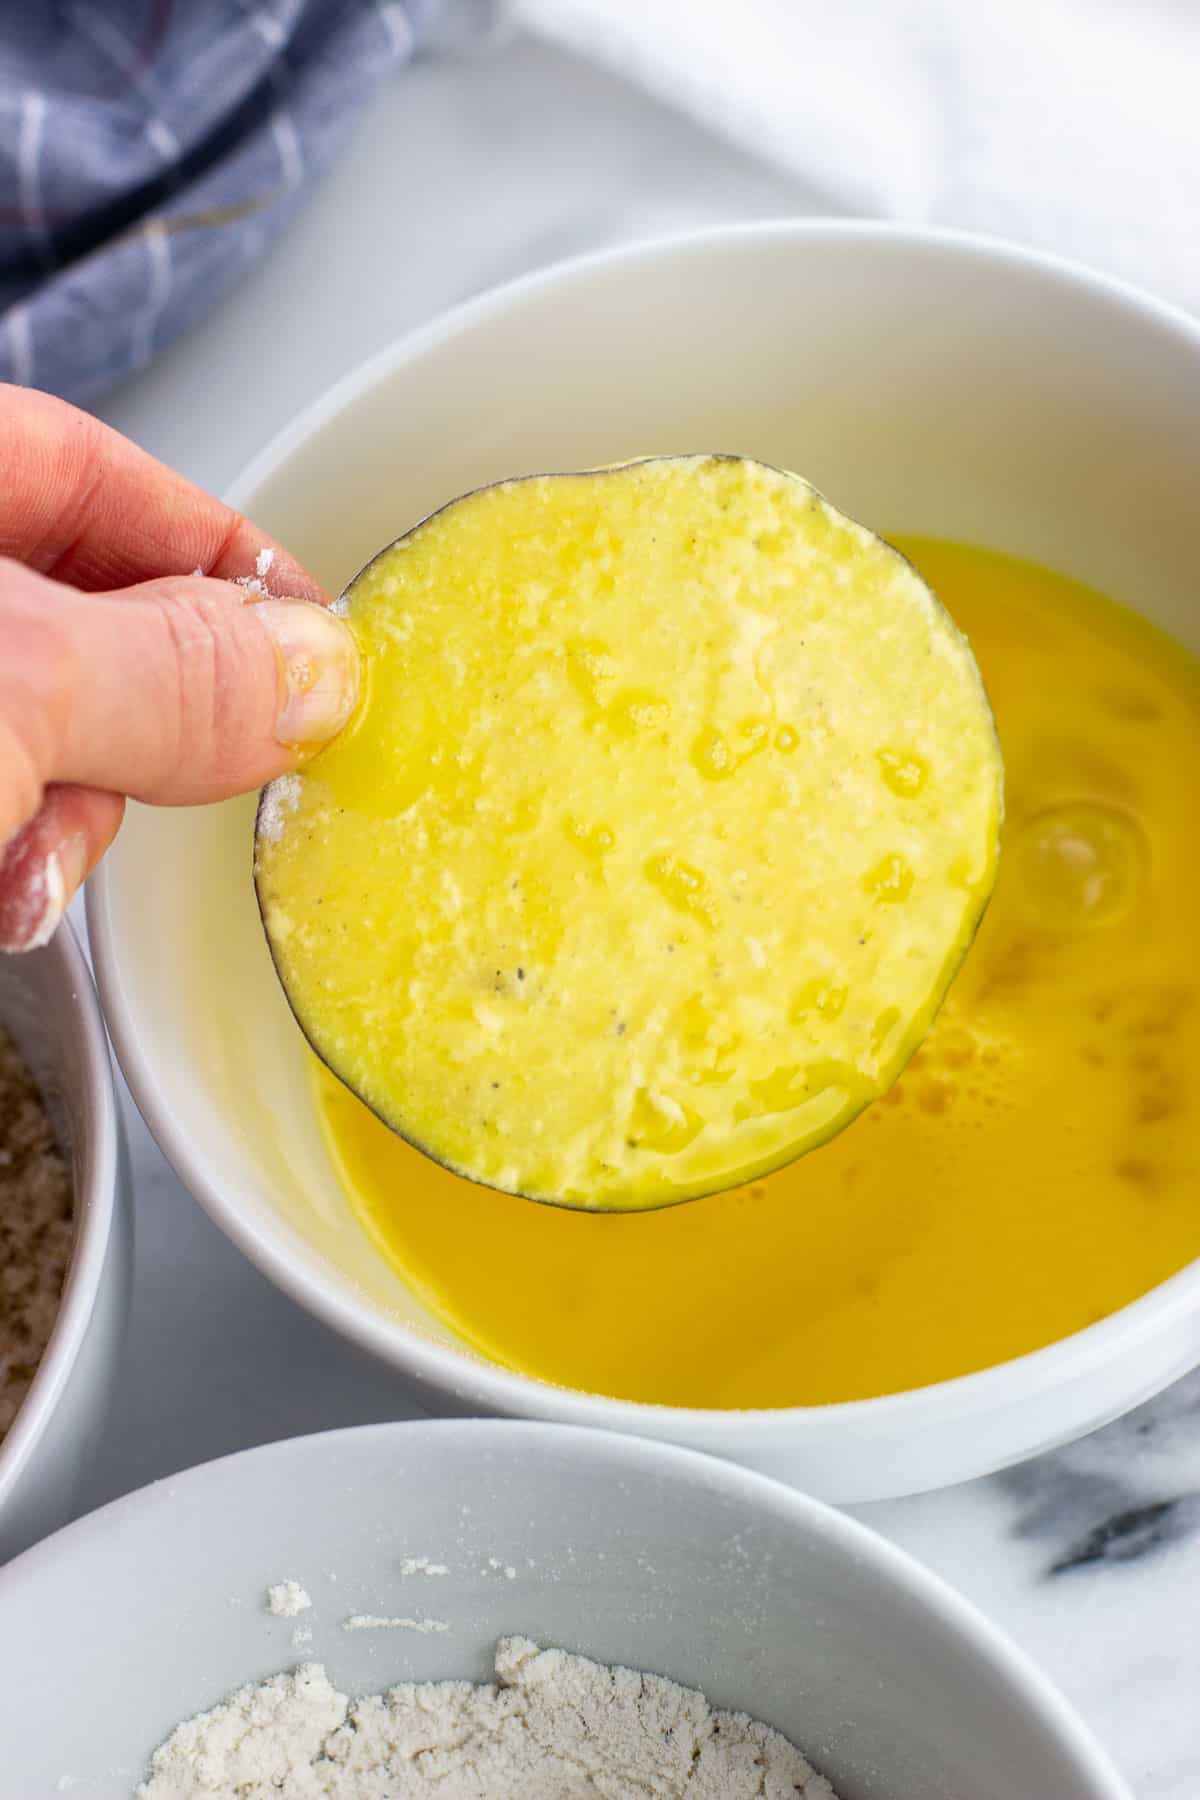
[1033,1169]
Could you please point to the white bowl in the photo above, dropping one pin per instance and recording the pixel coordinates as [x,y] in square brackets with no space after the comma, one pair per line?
[49,1008]
[926,382]
[630,1552]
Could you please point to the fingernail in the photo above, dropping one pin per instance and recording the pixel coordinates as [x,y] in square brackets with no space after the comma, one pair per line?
[36,886]
[318,661]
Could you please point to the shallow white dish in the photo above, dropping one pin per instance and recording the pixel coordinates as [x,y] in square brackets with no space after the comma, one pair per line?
[49,1008]
[628,1551]
[927,383]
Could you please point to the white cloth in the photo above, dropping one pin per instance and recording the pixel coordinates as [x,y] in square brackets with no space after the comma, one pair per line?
[1073,125]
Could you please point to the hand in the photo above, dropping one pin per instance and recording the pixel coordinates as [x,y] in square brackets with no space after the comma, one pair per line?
[131,661]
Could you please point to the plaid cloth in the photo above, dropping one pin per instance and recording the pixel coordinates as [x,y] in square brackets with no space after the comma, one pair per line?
[151,149]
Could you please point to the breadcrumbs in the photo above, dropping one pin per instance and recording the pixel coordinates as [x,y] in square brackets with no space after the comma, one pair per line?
[37,1229]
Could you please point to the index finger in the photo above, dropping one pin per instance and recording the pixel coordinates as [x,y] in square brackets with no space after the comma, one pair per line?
[82,504]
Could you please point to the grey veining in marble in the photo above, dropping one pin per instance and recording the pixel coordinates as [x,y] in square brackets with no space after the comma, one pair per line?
[1090,1558]
[459,177]
[1129,1491]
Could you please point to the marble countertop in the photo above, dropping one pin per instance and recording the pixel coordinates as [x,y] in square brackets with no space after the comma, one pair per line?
[460,176]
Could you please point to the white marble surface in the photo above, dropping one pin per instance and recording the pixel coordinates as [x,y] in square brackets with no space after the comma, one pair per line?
[459,177]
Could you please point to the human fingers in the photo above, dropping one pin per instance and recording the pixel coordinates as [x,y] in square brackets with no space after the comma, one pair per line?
[81,503]
[44,862]
[172,692]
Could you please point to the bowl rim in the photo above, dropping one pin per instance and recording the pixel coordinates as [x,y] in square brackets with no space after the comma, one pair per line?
[95,1191]
[903,1575]
[463,1372]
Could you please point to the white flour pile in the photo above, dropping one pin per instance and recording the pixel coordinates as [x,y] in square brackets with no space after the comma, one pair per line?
[552,1727]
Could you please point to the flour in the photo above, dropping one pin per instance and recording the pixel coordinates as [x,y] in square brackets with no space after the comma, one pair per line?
[256,584]
[286,1599]
[421,1565]
[382,1622]
[552,1727]
[279,798]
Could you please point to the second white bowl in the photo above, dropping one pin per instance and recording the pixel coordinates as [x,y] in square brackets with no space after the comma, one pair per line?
[49,1008]
[635,1553]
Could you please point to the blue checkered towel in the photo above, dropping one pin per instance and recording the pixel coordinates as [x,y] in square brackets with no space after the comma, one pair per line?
[149,150]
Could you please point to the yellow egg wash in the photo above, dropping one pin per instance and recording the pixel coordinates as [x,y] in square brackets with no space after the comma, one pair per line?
[1034,1168]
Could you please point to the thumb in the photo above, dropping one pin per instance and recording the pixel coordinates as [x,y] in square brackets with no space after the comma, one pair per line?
[174,691]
